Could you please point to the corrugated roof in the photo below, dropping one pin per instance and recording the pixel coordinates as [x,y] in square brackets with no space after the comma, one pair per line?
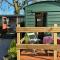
[42,2]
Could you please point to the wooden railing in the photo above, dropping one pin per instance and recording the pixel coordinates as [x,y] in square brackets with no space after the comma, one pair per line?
[54,46]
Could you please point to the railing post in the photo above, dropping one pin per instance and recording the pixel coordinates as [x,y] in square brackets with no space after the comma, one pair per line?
[55,43]
[18,42]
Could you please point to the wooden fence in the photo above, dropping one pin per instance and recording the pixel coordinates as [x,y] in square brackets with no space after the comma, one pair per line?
[54,46]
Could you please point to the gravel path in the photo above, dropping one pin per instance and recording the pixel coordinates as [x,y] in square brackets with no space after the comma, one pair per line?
[4,45]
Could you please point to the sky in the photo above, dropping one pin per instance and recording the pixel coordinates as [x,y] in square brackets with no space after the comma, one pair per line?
[8,10]
[5,9]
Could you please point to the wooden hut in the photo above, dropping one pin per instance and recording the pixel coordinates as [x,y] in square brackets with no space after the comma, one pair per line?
[43,13]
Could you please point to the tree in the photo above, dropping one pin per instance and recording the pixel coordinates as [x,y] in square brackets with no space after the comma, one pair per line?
[17,6]
[15,3]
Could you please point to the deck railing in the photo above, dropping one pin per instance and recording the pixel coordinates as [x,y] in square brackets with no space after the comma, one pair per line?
[54,30]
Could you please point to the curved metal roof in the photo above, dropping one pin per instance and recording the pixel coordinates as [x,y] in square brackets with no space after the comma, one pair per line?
[43,2]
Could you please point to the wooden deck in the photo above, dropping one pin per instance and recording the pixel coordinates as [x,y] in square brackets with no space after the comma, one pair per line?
[54,31]
[40,56]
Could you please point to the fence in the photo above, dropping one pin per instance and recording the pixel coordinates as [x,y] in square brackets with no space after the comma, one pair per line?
[54,46]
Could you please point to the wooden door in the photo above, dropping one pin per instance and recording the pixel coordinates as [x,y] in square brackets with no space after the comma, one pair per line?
[40,19]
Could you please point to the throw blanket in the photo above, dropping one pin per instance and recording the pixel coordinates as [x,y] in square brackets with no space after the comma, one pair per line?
[49,39]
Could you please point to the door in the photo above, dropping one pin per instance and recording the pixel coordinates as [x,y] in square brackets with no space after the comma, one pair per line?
[40,19]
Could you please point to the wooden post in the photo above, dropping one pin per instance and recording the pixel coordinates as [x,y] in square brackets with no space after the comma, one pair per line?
[18,42]
[55,43]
